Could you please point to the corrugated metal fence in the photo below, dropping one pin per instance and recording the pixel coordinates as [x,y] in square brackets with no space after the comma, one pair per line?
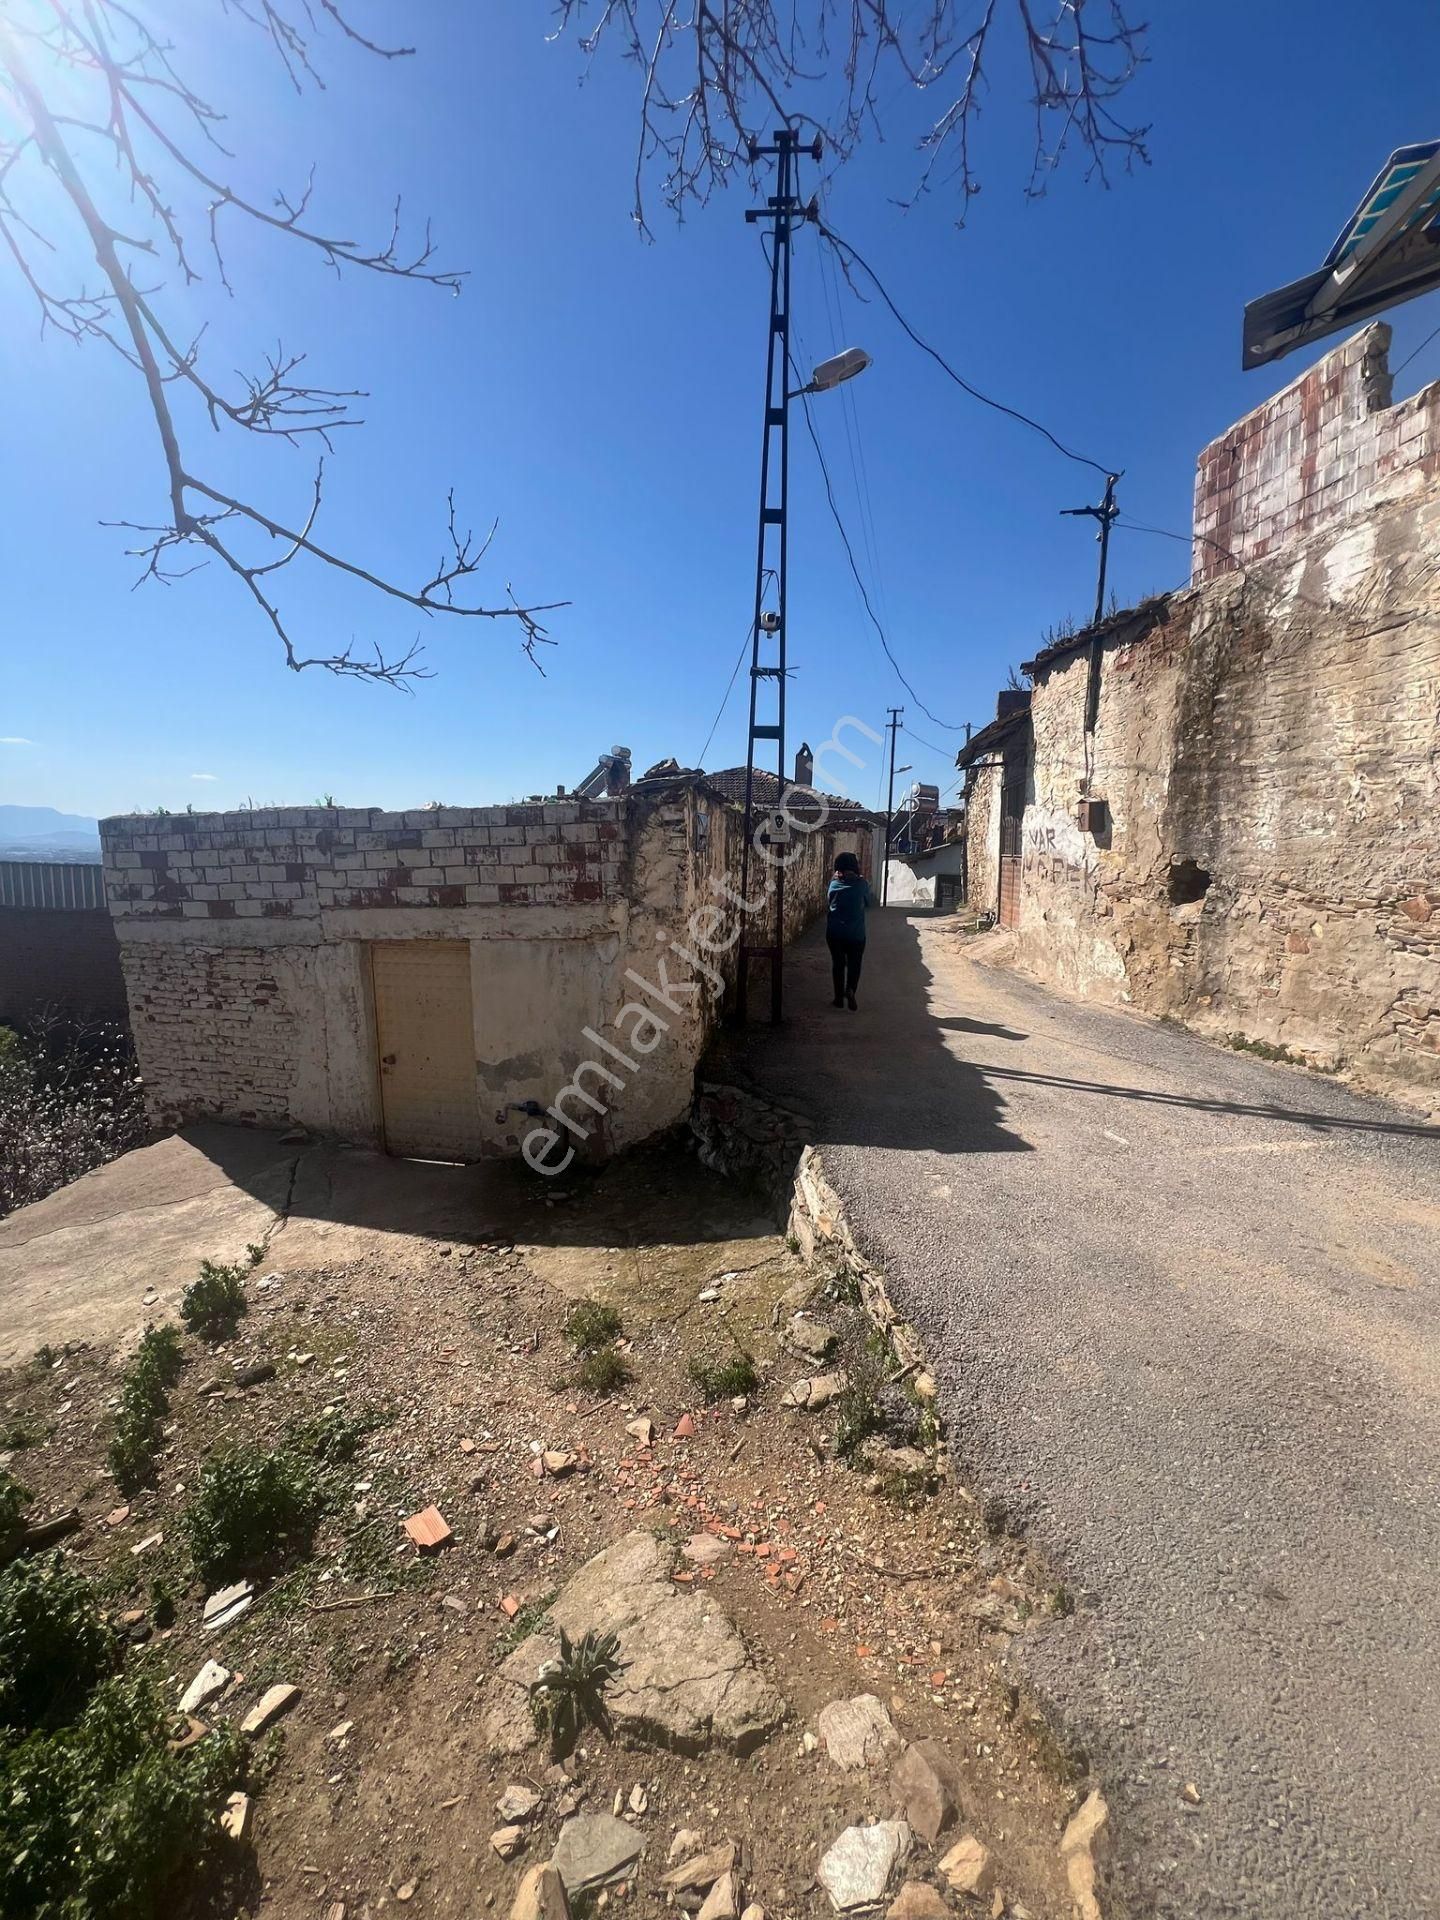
[72,884]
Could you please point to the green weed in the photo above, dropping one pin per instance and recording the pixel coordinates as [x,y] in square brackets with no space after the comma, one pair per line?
[54,1646]
[724,1379]
[253,1510]
[591,1325]
[569,1693]
[14,1499]
[213,1304]
[144,1403]
[603,1371]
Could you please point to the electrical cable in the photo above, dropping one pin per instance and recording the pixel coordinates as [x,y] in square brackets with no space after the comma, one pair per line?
[944,752]
[949,726]
[1412,356]
[844,248]
[729,689]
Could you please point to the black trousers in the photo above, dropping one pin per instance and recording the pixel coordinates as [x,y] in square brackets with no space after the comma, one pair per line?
[845,961]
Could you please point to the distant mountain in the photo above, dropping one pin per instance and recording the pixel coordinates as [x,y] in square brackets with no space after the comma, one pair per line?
[44,833]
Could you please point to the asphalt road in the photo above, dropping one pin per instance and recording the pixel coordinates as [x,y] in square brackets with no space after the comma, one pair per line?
[1184,1307]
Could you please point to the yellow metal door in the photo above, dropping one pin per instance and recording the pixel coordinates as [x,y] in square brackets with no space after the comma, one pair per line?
[425,1039]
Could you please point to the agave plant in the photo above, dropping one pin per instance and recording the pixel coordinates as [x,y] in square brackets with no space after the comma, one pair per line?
[568,1694]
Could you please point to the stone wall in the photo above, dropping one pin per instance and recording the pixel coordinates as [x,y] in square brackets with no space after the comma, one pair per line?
[1268,749]
[982,836]
[245,937]
[1326,446]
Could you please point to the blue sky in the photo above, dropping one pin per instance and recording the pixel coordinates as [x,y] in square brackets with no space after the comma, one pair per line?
[601,396]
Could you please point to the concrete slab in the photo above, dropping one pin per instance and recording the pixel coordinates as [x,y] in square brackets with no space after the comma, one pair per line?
[77,1265]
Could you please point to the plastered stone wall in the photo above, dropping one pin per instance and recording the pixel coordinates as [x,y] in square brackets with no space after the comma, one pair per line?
[243,940]
[1328,445]
[982,836]
[1269,745]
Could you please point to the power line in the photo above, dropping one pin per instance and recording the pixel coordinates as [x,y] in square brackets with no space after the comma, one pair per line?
[844,248]
[949,726]
[1414,356]
[729,689]
[944,752]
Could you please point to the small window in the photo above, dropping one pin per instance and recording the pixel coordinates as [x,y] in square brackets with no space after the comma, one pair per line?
[1188,882]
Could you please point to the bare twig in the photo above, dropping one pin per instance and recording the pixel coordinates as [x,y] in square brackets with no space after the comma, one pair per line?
[716,75]
[97,97]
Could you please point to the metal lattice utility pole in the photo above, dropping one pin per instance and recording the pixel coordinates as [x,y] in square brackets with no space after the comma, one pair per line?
[894,726]
[782,210]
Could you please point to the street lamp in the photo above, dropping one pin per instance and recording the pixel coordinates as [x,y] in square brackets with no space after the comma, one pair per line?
[835,372]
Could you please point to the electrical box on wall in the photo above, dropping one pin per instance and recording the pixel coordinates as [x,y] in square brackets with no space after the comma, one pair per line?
[1092,815]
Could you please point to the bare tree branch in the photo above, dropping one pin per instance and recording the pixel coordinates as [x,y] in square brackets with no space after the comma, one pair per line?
[717,75]
[103,107]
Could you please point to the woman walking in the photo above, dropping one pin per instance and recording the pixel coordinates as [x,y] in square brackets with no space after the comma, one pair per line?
[845,927]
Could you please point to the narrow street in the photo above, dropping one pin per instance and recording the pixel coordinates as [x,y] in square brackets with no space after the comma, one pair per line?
[1184,1307]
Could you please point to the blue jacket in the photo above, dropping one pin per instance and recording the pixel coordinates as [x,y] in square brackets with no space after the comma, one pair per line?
[845,908]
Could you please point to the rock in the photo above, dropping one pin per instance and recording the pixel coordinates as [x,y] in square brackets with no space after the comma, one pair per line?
[144,1546]
[594,1848]
[271,1704]
[857,1733]
[684,1428]
[918,1900]
[907,1464]
[642,1430]
[508,1841]
[811,1335]
[117,1516]
[856,1871]
[687,1681]
[516,1803]
[686,1842]
[340,1730]
[809,1396]
[540,1896]
[235,1817]
[723,1900]
[699,1874]
[704,1549]
[969,1867]
[210,1680]
[639,1801]
[925,1797]
[1082,1844]
[225,1605]
[257,1375]
[429,1530]
[753,1912]
[741,1403]
[558,1463]
[506,1724]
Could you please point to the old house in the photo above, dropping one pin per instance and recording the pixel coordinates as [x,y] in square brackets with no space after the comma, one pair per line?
[439,982]
[996,762]
[1231,810]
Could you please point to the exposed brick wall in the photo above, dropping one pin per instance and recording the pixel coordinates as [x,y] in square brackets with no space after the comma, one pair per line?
[297,862]
[1327,446]
[62,958]
[215,1030]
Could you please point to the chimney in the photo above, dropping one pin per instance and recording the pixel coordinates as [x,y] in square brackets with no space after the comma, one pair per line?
[804,765]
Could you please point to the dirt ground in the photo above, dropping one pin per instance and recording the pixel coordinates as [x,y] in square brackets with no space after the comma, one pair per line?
[455,1346]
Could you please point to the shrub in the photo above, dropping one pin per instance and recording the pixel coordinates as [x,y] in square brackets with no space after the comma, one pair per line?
[333,1437]
[252,1510]
[13,1501]
[140,1420]
[23,1430]
[70,1099]
[724,1379]
[591,1325]
[54,1645]
[213,1304]
[603,1371]
[98,1819]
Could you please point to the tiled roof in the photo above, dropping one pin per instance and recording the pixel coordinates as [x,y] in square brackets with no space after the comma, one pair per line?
[767,788]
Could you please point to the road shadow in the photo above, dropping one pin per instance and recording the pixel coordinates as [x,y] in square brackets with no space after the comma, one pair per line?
[958,1023]
[880,1077]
